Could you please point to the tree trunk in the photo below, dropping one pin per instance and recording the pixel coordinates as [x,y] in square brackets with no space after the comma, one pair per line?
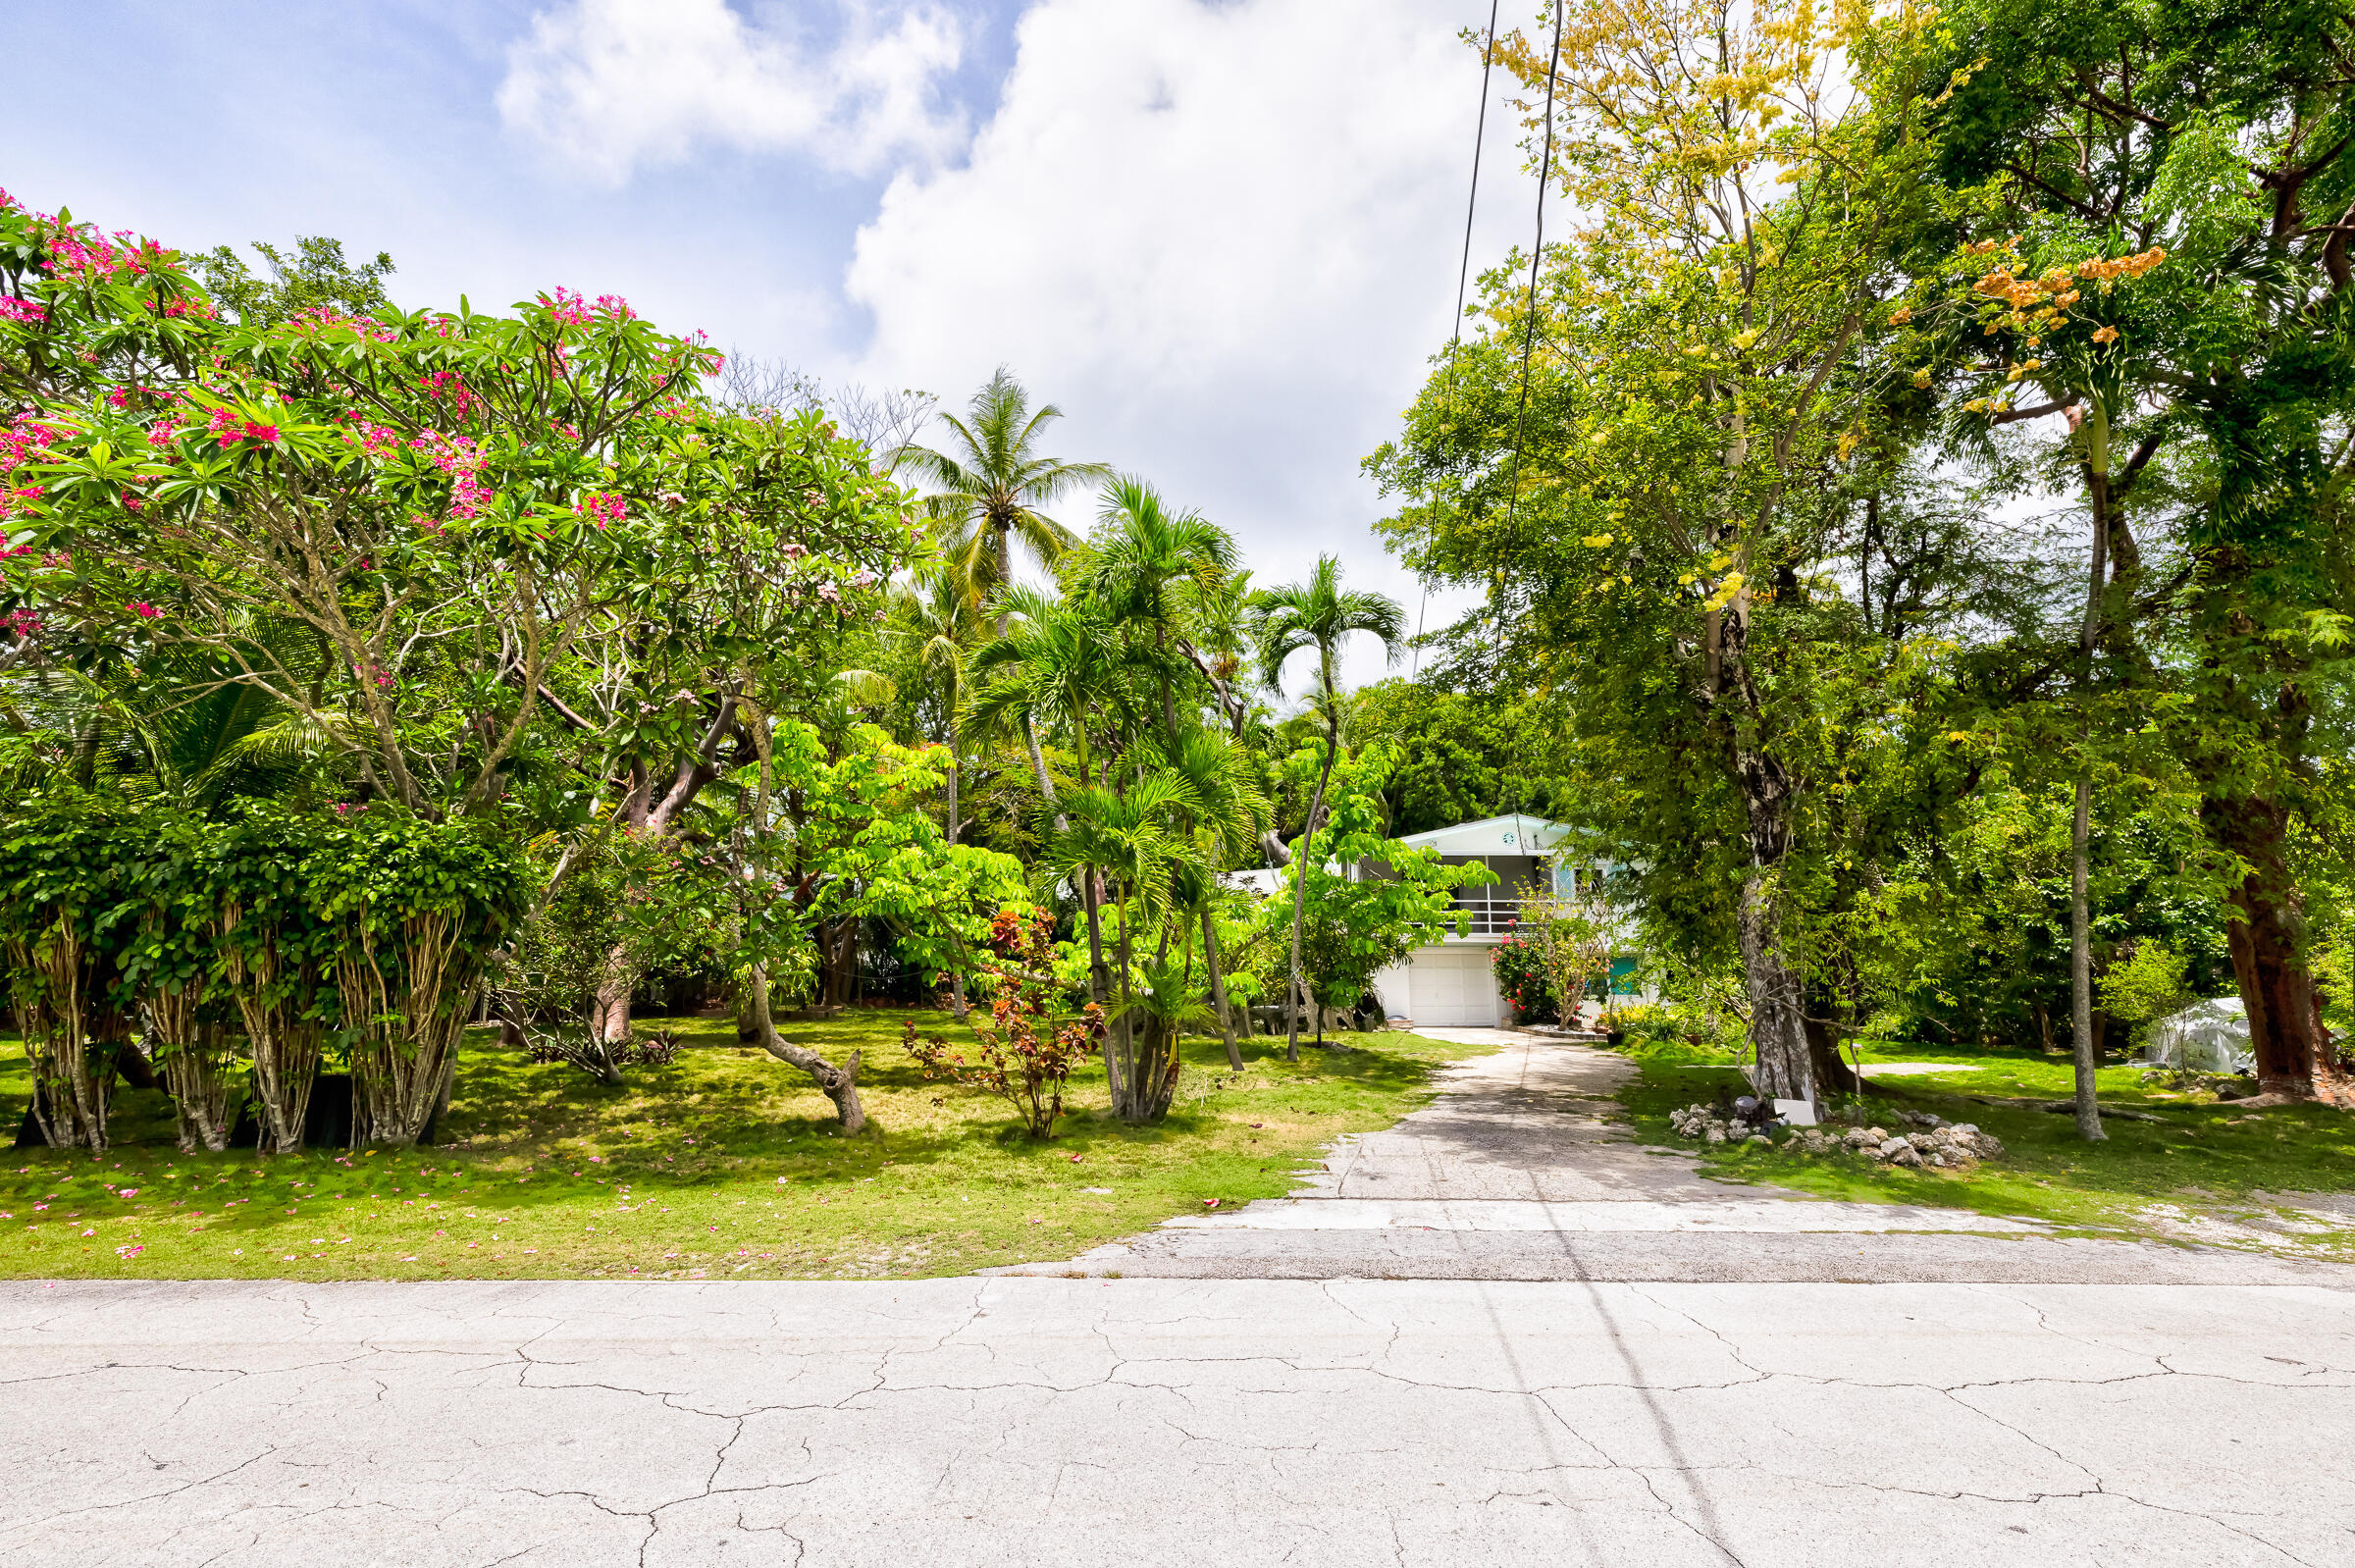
[1097,989]
[1218,990]
[1831,1070]
[2080,969]
[1308,838]
[1778,1031]
[840,1084]
[1783,1064]
[1150,1046]
[2080,917]
[68,1071]
[2266,931]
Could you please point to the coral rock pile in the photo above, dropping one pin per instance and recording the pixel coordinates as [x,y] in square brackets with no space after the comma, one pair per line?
[1935,1142]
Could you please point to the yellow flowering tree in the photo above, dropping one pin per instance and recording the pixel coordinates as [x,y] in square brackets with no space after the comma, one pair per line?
[1705,406]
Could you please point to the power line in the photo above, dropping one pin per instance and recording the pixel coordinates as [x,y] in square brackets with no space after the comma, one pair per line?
[1529,336]
[1463,276]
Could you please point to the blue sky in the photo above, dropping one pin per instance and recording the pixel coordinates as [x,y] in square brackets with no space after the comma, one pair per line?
[1221,234]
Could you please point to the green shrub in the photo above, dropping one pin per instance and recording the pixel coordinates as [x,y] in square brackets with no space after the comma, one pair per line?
[1520,964]
[2148,985]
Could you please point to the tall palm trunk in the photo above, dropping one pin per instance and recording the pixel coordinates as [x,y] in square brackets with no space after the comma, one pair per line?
[1217,989]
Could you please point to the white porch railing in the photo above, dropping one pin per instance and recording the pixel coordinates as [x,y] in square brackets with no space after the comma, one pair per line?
[1488,916]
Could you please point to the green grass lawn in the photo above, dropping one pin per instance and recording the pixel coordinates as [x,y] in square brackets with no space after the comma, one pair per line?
[725,1163]
[2202,1157]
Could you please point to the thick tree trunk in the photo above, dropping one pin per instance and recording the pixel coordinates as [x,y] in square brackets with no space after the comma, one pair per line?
[2266,931]
[840,1084]
[1783,1068]
[1778,1030]
[1830,1069]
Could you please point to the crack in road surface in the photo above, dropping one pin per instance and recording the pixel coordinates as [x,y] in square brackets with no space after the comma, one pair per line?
[1644,1401]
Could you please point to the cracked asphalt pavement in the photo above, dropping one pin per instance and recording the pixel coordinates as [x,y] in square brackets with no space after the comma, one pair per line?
[1217,1419]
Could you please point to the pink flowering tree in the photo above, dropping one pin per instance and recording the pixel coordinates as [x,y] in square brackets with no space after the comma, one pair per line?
[417,532]
[510,566]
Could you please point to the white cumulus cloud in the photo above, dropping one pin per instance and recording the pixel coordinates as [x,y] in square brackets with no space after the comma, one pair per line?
[615,84]
[1222,236]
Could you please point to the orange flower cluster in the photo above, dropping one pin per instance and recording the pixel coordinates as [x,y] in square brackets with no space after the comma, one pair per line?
[2021,293]
[2040,304]
[2133,266]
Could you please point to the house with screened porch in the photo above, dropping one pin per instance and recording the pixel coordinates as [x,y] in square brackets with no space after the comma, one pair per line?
[1453,981]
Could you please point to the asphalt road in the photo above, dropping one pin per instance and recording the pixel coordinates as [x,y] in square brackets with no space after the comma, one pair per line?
[1999,1411]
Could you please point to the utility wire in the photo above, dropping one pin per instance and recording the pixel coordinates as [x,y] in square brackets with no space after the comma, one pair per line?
[1528,336]
[1463,276]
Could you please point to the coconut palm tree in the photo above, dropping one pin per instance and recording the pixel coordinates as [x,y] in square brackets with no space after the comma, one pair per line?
[991,488]
[1318,616]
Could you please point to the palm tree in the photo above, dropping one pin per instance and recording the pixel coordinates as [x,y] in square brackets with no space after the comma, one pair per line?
[1057,664]
[1225,812]
[1317,615]
[1220,627]
[1125,836]
[1146,566]
[1139,558]
[993,489]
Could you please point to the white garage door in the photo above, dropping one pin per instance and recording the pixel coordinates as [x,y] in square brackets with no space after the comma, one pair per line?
[1454,985]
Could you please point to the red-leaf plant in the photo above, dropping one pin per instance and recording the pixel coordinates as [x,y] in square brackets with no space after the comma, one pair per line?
[1023,1055]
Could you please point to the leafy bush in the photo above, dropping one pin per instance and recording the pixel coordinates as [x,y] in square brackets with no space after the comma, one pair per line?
[367,930]
[1677,1029]
[1026,1058]
[2147,986]
[1519,960]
